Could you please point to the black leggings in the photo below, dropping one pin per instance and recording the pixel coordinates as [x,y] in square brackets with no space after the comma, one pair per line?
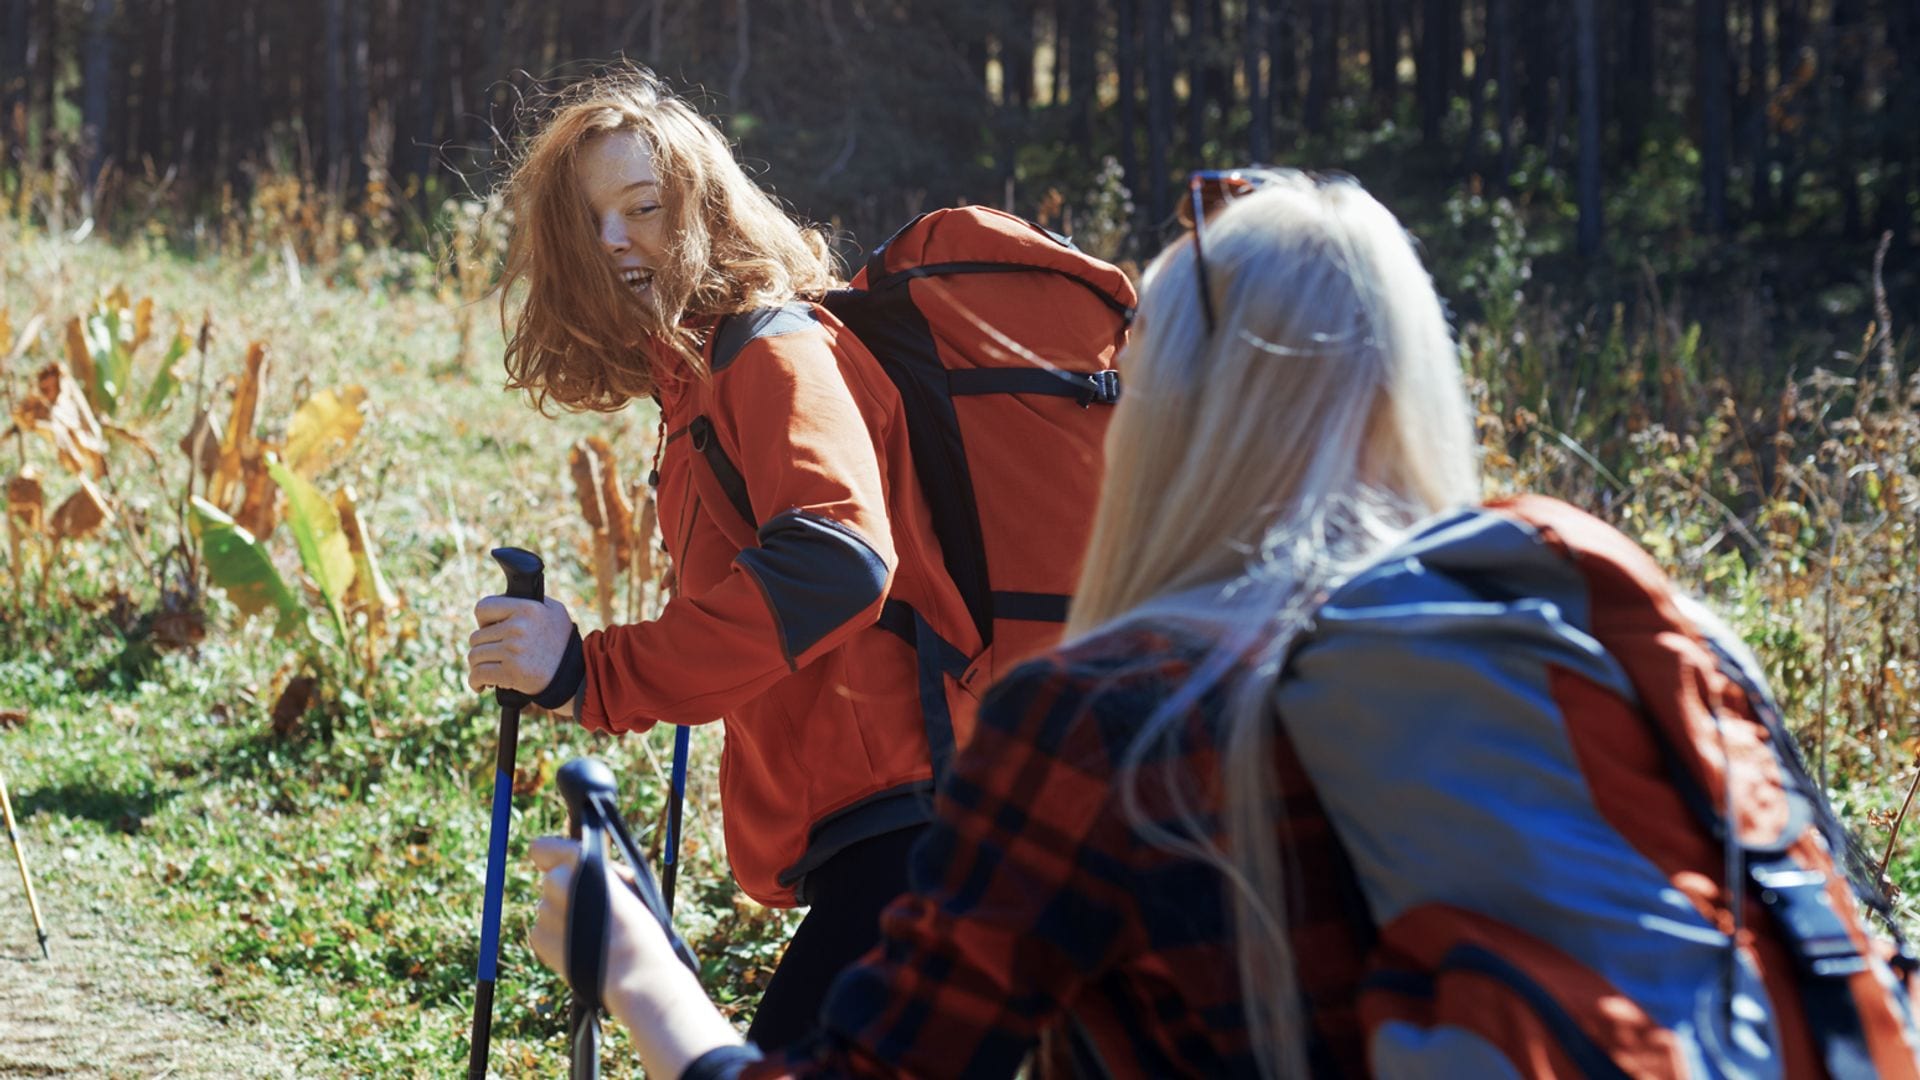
[848,890]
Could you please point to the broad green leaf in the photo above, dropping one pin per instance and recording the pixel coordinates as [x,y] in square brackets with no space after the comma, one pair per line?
[165,381]
[324,551]
[238,562]
[324,425]
[108,333]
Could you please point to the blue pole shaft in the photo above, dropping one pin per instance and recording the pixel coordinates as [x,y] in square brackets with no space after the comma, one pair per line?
[526,580]
[495,891]
[670,860]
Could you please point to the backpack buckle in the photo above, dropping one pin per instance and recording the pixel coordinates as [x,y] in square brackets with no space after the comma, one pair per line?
[1102,388]
[1797,898]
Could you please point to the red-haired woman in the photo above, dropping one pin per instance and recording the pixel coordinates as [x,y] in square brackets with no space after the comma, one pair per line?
[644,263]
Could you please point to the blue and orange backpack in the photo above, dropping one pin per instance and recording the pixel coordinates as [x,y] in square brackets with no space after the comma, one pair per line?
[1583,833]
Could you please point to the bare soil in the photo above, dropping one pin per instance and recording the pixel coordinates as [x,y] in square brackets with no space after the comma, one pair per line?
[113,1001]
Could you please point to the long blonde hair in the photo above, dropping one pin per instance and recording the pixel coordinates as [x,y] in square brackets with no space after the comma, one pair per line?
[1251,468]
[577,334]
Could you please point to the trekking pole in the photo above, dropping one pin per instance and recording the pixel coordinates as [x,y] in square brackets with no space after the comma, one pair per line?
[677,798]
[20,858]
[593,817]
[526,580]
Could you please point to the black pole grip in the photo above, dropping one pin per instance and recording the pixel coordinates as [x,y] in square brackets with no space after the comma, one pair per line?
[526,580]
[588,787]
[526,574]
[580,780]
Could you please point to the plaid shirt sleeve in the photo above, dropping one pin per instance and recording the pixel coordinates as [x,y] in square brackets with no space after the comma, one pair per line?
[1018,900]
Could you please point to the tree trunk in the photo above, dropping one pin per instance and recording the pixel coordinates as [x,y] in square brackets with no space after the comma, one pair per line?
[1082,81]
[742,57]
[13,83]
[358,61]
[1154,35]
[1259,107]
[1283,53]
[1016,54]
[1324,70]
[1057,83]
[1791,18]
[1219,81]
[1715,113]
[1587,45]
[154,79]
[1849,65]
[1500,44]
[1199,42]
[1759,91]
[1539,55]
[1477,109]
[336,142]
[1642,76]
[1432,69]
[426,71]
[96,115]
[248,92]
[1015,31]
[1383,52]
[1124,51]
[1896,207]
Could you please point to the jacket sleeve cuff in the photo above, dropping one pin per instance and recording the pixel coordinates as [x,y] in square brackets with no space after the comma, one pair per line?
[721,1063]
[568,678]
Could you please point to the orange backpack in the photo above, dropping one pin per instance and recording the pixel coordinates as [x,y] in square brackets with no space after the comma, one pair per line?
[1001,337]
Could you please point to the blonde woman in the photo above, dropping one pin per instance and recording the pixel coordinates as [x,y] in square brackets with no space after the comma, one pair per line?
[644,263]
[1338,773]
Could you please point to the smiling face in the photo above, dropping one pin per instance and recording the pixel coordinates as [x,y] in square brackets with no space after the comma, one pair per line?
[615,175]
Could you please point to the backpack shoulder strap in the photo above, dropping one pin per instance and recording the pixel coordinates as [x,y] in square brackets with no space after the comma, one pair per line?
[736,332]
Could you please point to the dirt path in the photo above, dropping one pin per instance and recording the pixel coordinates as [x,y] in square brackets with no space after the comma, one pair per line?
[111,1002]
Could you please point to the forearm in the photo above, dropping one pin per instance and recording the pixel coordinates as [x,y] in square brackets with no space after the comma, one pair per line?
[671,1020]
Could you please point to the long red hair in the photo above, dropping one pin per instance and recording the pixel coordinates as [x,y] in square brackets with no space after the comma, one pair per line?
[576,335]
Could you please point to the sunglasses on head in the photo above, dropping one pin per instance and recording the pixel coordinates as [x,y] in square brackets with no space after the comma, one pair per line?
[1207,191]
[1210,189]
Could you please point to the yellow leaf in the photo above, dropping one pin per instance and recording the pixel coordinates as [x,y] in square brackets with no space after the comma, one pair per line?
[81,514]
[596,480]
[60,412]
[26,500]
[142,321]
[322,426]
[643,544]
[259,511]
[586,485]
[370,591]
[240,445]
[78,355]
[137,440]
[202,442]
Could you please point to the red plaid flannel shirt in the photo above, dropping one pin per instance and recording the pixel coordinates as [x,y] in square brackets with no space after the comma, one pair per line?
[1040,919]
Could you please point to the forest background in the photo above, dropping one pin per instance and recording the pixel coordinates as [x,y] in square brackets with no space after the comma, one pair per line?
[258,445]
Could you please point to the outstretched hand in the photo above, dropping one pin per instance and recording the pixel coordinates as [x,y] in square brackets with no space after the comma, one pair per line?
[519,644]
[647,988]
